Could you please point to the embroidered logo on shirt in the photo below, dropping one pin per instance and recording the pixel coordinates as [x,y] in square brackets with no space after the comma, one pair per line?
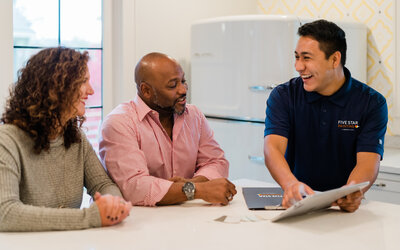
[348,125]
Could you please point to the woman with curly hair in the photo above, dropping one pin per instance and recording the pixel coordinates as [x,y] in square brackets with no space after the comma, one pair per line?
[45,158]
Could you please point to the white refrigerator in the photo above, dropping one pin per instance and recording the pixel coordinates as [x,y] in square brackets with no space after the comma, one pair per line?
[235,63]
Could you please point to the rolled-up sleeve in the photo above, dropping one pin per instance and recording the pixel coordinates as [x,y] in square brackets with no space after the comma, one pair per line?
[126,163]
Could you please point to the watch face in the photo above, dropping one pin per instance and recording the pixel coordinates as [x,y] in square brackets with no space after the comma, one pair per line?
[189,189]
[189,186]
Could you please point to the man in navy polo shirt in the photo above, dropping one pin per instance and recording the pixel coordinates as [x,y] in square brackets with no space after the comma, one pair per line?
[323,129]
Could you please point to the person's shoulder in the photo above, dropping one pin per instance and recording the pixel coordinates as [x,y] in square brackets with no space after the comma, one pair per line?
[12,131]
[9,128]
[191,108]
[293,83]
[84,143]
[123,109]
[292,86]
[83,135]
[368,92]
[193,113]
[13,137]
[123,113]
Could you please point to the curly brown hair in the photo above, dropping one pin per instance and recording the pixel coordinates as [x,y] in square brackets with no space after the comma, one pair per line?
[44,93]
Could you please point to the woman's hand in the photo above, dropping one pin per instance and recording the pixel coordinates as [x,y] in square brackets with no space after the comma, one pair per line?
[113,209]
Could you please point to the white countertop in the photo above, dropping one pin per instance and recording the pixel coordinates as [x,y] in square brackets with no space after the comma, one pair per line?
[191,225]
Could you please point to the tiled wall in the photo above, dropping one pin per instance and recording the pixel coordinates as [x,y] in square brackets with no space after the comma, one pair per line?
[378,15]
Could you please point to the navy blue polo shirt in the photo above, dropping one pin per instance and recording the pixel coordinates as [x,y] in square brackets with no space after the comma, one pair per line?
[325,132]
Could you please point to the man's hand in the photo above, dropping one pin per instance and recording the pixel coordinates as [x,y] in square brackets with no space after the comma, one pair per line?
[113,209]
[295,192]
[351,202]
[217,191]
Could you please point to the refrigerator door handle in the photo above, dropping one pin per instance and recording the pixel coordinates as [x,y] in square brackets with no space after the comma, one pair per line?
[256,159]
[262,88]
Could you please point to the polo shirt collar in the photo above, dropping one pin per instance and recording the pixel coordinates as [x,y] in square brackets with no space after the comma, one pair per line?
[340,97]
[142,108]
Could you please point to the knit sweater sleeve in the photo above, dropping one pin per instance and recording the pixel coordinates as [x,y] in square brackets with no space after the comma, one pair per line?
[96,178]
[17,216]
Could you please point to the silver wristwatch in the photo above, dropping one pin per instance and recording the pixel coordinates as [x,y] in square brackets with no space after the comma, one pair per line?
[189,189]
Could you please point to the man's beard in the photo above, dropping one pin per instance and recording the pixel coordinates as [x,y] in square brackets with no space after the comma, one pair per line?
[167,109]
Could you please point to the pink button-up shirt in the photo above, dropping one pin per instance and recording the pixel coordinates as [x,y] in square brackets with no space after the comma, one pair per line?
[140,156]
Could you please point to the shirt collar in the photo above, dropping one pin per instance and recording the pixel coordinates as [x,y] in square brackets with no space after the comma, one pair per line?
[339,97]
[142,108]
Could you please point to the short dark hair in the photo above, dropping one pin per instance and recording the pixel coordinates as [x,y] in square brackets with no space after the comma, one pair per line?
[331,37]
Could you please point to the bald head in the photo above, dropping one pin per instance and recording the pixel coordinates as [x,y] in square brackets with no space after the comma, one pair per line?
[148,66]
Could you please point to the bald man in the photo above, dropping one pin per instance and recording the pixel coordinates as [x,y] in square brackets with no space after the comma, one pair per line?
[159,150]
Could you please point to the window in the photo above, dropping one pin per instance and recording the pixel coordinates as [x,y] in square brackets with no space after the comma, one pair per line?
[71,23]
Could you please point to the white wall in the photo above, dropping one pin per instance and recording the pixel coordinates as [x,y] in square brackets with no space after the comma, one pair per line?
[135,28]
[164,26]
[6,50]
[118,53]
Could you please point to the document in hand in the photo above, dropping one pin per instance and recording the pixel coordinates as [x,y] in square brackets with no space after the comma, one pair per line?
[258,198]
[319,201]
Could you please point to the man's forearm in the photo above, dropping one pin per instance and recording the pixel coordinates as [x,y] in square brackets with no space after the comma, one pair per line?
[199,178]
[366,169]
[279,169]
[218,191]
[174,195]
[274,154]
